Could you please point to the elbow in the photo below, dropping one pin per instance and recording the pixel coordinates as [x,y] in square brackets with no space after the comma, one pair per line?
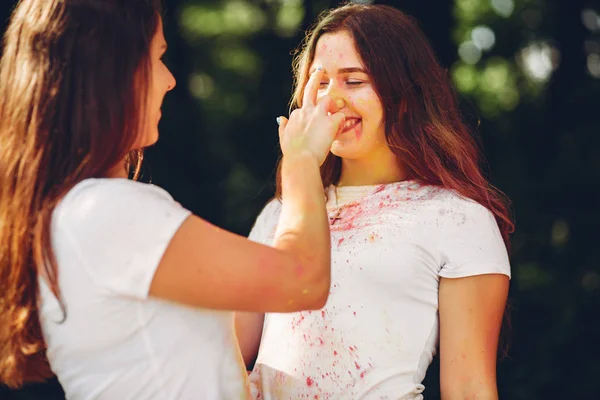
[320,294]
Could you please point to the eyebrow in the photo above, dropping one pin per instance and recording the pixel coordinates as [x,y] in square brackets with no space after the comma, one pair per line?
[348,70]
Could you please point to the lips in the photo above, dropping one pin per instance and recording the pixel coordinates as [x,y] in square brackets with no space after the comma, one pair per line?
[350,124]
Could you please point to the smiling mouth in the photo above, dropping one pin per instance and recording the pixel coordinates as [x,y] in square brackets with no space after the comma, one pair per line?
[350,124]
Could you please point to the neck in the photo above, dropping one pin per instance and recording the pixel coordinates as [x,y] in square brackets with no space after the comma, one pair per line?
[118,171]
[376,170]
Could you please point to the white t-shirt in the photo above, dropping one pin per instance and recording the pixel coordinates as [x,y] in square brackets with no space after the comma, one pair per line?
[108,236]
[378,332]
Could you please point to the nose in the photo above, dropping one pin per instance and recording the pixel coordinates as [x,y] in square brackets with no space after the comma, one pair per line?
[337,95]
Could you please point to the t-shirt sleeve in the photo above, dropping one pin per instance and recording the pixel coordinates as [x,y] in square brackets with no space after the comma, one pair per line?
[120,230]
[471,242]
[263,231]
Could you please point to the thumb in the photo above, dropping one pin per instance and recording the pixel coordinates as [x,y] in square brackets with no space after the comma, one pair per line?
[338,120]
[282,122]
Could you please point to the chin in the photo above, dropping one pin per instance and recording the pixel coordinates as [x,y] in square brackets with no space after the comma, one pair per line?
[346,150]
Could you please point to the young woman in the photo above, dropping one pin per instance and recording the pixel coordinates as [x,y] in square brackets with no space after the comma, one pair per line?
[107,282]
[418,236]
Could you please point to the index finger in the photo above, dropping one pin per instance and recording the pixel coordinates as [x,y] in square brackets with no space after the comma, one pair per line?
[312,87]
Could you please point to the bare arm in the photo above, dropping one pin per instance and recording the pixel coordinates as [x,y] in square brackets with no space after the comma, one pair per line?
[471,312]
[208,267]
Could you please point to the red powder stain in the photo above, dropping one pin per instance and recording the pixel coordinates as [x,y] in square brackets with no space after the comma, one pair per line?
[350,347]
[323,314]
[321,341]
[362,374]
[356,365]
[335,353]
[340,241]
[309,381]
[354,313]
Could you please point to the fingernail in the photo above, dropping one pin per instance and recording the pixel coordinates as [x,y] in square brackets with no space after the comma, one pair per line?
[278,119]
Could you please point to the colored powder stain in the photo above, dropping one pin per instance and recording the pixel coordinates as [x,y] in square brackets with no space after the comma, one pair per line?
[356,365]
[362,374]
[323,314]
[335,353]
[321,341]
[309,381]
[299,270]
[340,241]
[354,313]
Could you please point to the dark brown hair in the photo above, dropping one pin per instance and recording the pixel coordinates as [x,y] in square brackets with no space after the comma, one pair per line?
[73,81]
[423,125]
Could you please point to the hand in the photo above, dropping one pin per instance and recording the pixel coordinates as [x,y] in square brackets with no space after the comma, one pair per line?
[313,127]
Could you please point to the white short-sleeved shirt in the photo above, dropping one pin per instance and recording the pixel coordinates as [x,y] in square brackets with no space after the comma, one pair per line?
[378,332]
[108,236]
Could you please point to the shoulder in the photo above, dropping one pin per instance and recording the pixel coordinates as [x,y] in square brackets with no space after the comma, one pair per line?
[101,202]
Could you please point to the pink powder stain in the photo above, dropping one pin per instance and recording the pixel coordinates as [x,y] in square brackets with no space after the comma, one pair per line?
[335,353]
[362,374]
[309,381]
[323,313]
[299,270]
[354,313]
[340,241]
[356,365]
[321,341]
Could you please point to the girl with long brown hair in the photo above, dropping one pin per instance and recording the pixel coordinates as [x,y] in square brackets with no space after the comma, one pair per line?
[107,282]
[419,238]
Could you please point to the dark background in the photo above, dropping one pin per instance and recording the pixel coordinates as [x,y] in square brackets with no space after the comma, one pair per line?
[533,97]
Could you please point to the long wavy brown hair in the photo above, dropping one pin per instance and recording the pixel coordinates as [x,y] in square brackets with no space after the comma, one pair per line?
[73,79]
[423,125]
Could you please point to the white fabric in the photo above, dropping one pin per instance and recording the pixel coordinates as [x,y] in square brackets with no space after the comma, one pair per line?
[108,236]
[378,332]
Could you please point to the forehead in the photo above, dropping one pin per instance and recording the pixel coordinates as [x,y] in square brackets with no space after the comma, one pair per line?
[338,50]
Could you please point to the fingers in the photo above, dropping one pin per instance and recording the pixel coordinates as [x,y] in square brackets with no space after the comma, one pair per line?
[282,122]
[312,87]
[338,120]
